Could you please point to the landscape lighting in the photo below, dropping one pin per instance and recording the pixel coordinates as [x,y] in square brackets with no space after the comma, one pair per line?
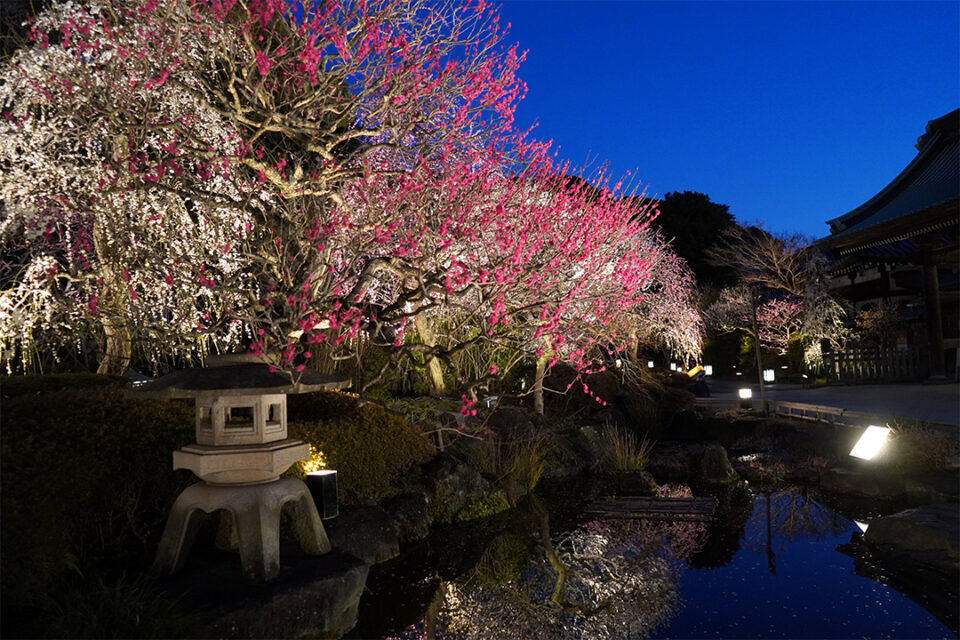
[861,525]
[746,398]
[650,364]
[870,442]
[768,375]
[323,490]
[708,368]
[673,366]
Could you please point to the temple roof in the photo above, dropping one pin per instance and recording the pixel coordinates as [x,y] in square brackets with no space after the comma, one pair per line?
[931,179]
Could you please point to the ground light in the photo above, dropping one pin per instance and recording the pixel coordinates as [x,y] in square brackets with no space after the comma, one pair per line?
[673,366]
[870,443]
[708,368]
[323,489]
[650,364]
[746,398]
[768,375]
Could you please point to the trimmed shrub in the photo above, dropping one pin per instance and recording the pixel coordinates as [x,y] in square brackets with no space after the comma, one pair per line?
[373,450]
[87,480]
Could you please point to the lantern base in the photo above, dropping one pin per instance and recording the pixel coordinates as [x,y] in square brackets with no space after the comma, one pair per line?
[256,515]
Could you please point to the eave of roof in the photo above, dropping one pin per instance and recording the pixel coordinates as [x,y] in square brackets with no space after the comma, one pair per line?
[931,178]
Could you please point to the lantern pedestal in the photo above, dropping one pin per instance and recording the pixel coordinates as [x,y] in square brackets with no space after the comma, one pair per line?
[255,510]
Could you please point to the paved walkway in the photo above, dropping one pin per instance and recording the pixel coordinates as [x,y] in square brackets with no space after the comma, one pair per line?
[938,403]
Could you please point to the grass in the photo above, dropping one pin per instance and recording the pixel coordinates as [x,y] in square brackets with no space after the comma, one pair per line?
[622,451]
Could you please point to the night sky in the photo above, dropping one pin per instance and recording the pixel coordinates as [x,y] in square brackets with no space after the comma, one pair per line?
[792,113]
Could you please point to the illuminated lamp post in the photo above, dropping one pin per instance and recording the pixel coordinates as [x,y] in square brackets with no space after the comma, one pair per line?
[746,398]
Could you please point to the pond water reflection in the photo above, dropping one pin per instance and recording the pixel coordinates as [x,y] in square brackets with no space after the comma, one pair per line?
[767,567]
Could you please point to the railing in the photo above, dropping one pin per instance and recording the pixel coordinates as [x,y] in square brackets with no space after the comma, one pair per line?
[830,415]
[863,364]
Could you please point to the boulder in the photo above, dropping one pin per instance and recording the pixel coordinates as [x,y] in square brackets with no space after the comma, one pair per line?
[716,467]
[369,533]
[872,484]
[928,534]
[636,483]
[510,424]
[316,598]
[409,513]
[454,485]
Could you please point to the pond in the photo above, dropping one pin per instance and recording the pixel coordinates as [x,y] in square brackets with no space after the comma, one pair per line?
[770,565]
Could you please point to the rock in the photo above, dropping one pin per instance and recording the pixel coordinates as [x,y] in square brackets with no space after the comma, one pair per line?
[316,598]
[677,400]
[482,506]
[511,424]
[368,533]
[927,534]
[454,485]
[409,513]
[861,483]
[637,483]
[715,466]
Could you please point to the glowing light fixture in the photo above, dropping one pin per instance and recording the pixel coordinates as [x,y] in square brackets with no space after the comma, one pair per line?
[619,363]
[746,398]
[739,374]
[696,371]
[650,364]
[861,525]
[323,490]
[768,375]
[673,366]
[708,368]
[870,443]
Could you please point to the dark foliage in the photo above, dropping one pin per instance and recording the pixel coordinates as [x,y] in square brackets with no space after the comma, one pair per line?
[694,224]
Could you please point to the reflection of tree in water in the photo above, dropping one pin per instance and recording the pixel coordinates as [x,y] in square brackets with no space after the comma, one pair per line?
[605,579]
[788,515]
[734,507]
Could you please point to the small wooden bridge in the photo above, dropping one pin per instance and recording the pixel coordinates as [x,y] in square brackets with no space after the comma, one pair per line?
[652,508]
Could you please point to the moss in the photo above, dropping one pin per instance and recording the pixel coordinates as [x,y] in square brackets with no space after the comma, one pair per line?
[373,450]
[505,559]
[481,507]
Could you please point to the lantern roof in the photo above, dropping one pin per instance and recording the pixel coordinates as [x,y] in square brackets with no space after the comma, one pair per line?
[238,375]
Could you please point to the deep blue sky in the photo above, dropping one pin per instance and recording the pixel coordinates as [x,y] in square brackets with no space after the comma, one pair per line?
[792,113]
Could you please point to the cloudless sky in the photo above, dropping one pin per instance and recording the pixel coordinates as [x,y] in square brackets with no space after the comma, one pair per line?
[792,113]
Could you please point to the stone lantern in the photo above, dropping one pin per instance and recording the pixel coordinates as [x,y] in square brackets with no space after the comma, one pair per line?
[241,450]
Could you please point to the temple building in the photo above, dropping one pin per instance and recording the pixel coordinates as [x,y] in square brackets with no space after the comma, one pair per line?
[900,250]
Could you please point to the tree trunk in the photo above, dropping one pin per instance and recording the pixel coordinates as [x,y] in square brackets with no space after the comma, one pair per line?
[633,350]
[434,371]
[119,348]
[119,343]
[756,346]
[538,384]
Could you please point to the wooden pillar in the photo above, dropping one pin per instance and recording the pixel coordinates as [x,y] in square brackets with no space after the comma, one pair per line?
[884,283]
[931,300]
